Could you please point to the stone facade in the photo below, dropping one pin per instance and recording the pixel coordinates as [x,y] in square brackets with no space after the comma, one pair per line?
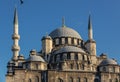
[64,57]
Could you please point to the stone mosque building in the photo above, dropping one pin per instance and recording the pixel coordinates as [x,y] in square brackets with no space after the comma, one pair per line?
[64,57]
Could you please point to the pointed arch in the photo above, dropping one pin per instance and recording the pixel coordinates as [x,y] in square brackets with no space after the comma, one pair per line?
[96,80]
[36,66]
[60,80]
[104,69]
[85,79]
[71,66]
[70,79]
[116,80]
[76,56]
[78,79]
[36,79]
[77,66]
[29,80]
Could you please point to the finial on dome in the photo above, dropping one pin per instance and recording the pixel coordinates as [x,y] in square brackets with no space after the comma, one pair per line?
[63,22]
[46,33]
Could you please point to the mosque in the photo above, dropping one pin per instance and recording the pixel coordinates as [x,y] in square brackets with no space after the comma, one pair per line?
[64,57]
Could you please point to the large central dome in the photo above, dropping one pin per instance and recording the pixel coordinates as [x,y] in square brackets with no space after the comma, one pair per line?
[65,32]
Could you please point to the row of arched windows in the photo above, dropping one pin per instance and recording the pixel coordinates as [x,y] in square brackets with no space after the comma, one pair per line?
[72,66]
[35,80]
[70,79]
[66,40]
[111,69]
[71,56]
[113,80]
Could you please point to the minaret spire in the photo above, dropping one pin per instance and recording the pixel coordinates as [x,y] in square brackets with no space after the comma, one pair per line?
[15,37]
[90,30]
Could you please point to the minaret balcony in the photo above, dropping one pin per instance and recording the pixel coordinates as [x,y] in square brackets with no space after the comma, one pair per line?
[15,48]
[15,36]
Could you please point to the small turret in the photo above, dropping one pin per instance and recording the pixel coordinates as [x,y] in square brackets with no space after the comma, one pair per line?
[15,37]
[47,46]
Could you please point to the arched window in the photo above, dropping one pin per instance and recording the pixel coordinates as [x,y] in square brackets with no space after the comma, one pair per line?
[104,69]
[60,80]
[71,66]
[110,80]
[85,79]
[36,66]
[82,67]
[76,56]
[57,41]
[68,56]
[77,66]
[66,40]
[72,41]
[78,41]
[96,80]
[113,69]
[83,58]
[116,80]
[78,79]
[36,79]
[63,40]
[29,80]
[70,79]
[23,80]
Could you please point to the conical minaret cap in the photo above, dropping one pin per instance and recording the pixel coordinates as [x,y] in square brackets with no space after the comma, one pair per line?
[89,23]
[90,30]
[15,21]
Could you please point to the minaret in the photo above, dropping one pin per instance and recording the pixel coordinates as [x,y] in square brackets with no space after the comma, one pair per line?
[15,37]
[90,44]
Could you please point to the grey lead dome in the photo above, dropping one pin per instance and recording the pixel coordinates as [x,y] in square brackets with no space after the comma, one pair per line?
[69,49]
[65,32]
[108,62]
[35,58]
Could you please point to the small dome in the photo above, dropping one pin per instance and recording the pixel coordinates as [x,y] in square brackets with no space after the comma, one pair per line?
[11,62]
[46,37]
[35,58]
[69,49]
[65,32]
[108,62]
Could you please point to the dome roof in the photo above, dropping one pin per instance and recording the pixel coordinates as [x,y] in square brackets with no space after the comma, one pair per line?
[46,37]
[64,32]
[69,49]
[108,62]
[35,58]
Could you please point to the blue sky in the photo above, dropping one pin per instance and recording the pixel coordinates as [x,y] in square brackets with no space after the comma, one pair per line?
[38,17]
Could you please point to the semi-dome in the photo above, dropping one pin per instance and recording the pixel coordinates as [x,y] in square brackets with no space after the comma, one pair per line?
[35,58]
[65,32]
[108,62]
[69,49]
